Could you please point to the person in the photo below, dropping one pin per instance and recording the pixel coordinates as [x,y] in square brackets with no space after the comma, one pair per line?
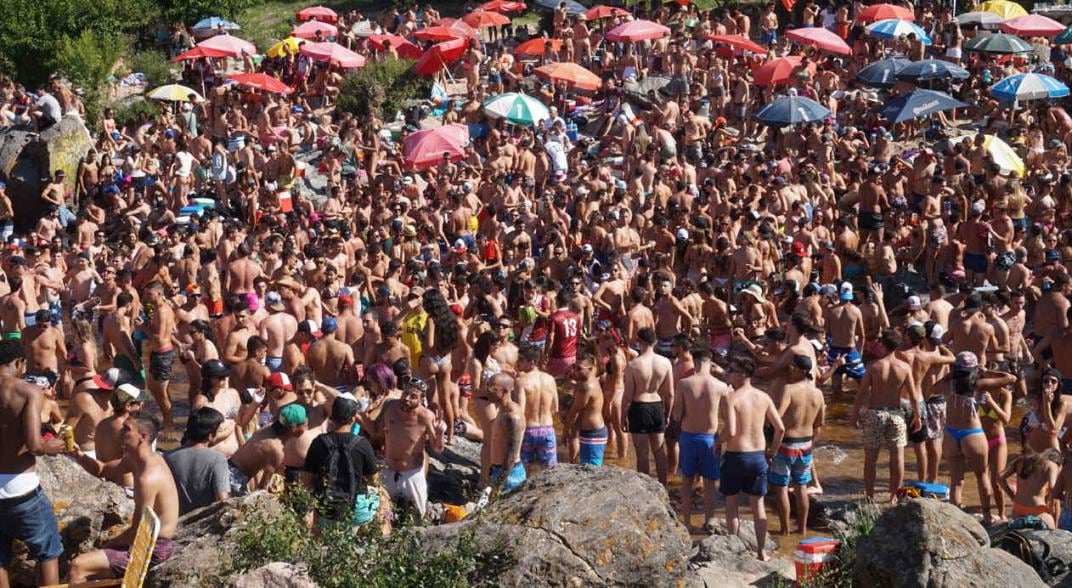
[701,401]
[845,328]
[560,351]
[803,412]
[126,400]
[744,465]
[261,457]
[584,417]
[647,402]
[537,394]
[407,427]
[507,431]
[162,352]
[1036,479]
[200,473]
[154,488]
[340,468]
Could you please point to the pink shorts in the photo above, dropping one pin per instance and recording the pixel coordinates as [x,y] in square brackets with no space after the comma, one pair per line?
[559,367]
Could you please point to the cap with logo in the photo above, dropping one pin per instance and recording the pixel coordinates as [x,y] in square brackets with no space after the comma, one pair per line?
[309,327]
[846,291]
[130,394]
[280,380]
[966,361]
[914,303]
[109,379]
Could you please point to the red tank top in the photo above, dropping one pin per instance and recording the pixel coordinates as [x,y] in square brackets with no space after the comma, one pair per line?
[567,325]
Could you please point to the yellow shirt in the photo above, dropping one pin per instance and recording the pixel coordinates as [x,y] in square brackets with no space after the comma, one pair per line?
[412,332]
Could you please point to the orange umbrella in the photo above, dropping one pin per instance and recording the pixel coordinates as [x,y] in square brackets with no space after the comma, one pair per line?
[479,19]
[777,71]
[503,6]
[261,81]
[440,55]
[602,11]
[199,53]
[571,73]
[535,46]
[877,12]
[738,41]
[402,46]
[441,32]
[820,38]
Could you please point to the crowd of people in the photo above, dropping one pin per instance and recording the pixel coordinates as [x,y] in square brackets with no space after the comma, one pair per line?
[652,275]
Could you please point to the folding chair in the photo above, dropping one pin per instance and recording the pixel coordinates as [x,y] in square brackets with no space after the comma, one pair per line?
[141,552]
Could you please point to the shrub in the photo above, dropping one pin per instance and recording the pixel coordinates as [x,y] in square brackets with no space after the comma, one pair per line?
[381,88]
[153,64]
[129,110]
[87,60]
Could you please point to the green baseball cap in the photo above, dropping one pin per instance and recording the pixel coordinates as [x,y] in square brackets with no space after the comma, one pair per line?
[292,415]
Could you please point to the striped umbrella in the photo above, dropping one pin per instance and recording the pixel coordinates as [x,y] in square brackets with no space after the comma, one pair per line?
[1028,86]
[517,108]
[175,93]
[895,28]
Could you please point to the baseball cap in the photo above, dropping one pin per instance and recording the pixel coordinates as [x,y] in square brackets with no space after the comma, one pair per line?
[214,368]
[345,300]
[273,301]
[129,394]
[109,379]
[978,207]
[1052,255]
[587,248]
[683,234]
[459,246]
[803,362]
[846,291]
[329,325]
[343,408]
[828,290]
[937,332]
[798,248]
[293,415]
[966,361]
[280,380]
[310,327]
[914,303]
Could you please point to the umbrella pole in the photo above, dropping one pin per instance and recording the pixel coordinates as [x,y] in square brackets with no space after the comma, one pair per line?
[446,69]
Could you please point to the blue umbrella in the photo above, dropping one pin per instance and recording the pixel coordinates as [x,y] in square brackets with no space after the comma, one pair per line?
[1028,86]
[882,73]
[918,103]
[573,8]
[213,22]
[895,28]
[932,69]
[791,110]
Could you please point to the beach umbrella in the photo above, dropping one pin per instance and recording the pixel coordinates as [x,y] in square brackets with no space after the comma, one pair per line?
[364,28]
[778,70]
[573,8]
[309,29]
[174,93]
[503,6]
[261,81]
[480,19]
[440,55]
[1028,86]
[882,73]
[402,46]
[986,20]
[877,12]
[932,69]
[1003,8]
[603,11]
[998,43]
[334,54]
[571,73]
[535,46]
[999,151]
[518,109]
[896,28]
[792,110]
[1064,37]
[446,32]
[1032,25]
[426,148]
[637,30]
[321,13]
[738,42]
[917,104]
[229,44]
[290,44]
[200,53]
[819,38]
[214,22]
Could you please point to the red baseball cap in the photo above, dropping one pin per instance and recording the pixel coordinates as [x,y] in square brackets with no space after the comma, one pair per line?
[280,380]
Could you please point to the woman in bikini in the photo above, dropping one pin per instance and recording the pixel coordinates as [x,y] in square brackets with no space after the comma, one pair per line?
[441,333]
[81,357]
[201,349]
[218,394]
[994,416]
[1036,477]
[1044,423]
[613,355]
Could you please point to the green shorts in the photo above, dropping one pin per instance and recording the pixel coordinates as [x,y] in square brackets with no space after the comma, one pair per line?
[12,336]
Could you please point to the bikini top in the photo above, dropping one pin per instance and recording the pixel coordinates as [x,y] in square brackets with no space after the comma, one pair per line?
[961,400]
[491,367]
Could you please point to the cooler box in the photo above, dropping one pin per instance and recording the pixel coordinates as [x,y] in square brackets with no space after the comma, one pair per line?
[936,491]
[812,555]
[189,211]
[571,131]
[286,203]
[204,202]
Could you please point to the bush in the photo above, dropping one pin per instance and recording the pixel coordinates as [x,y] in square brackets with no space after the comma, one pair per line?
[153,64]
[381,88]
[839,574]
[129,110]
[87,60]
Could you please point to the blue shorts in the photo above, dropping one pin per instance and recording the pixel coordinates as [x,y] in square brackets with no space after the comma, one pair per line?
[697,455]
[768,37]
[593,444]
[854,363]
[744,471]
[539,446]
[975,262]
[1065,521]
[513,480]
[30,519]
[275,364]
[791,463]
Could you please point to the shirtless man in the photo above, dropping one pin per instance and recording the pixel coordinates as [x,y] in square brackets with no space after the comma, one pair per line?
[44,345]
[888,386]
[161,328]
[248,377]
[700,400]
[277,328]
[234,347]
[647,402]
[584,418]
[1059,343]
[90,404]
[242,270]
[845,329]
[26,510]
[507,431]
[331,360]
[671,318]
[154,488]
[537,394]
[126,400]
[408,427]
[744,464]
[970,331]
[927,441]
[118,327]
[12,311]
[803,412]
[639,316]
[259,458]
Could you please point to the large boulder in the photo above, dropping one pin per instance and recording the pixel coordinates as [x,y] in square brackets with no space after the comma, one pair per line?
[934,544]
[729,560]
[274,575]
[1049,551]
[453,475]
[579,525]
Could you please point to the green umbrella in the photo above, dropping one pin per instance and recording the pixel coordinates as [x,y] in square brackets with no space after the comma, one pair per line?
[1064,37]
[998,43]
[517,108]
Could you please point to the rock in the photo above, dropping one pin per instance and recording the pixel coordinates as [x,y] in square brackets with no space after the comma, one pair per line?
[832,514]
[274,575]
[578,525]
[203,541]
[723,559]
[746,533]
[453,476]
[1055,543]
[935,544]
[748,573]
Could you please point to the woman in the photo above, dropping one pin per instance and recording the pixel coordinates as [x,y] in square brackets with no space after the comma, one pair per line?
[1036,477]
[81,356]
[994,419]
[440,337]
[1044,423]
[216,392]
[482,366]
[612,355]
[201,350]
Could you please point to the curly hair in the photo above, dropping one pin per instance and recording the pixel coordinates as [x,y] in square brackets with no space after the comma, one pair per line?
[446,324]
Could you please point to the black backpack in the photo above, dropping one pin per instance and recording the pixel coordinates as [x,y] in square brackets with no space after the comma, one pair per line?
[339,478]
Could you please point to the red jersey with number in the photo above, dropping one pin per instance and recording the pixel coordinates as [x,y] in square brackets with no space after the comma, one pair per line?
[567,326]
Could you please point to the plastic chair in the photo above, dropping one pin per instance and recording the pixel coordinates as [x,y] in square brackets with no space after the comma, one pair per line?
[141,553]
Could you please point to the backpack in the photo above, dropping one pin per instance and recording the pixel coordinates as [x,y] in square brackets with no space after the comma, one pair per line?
[339,478]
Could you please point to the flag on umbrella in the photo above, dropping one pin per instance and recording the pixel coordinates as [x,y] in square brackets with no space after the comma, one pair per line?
[1003,8]
[917,104]
[1032,25]
[1028,86]
[877,12]
[637,30]
[999,151]
[536,46]
[932,69]
[175,93]
[820,39]
[570,73]
[998,43]
[603,11]
[215,22]
[430,147]
[986,20]
[792,110]
[309,29]
[896,28]
[882,73]
[261,81]
[518,109]
[321,13]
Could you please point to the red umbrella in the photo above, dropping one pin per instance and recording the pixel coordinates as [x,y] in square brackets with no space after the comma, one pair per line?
[571,73]
[535,46]
[637,30]
[230,45]
[738,41]
[877,12]
[321,13]
[820,38]
[402,46]
[1032,25]
[602,11]
[427,148]
[334,54]
[778,71]
[446,32]
[503,6]
[308,30]
[479,19]
[261,81]
[440,55]
[199,53]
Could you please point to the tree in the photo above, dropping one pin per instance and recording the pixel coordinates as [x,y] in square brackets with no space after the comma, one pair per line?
[381,87]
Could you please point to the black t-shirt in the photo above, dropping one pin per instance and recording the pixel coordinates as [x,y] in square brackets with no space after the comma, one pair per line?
[361,455]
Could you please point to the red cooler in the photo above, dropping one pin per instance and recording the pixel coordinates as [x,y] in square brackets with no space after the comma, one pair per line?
[812,555]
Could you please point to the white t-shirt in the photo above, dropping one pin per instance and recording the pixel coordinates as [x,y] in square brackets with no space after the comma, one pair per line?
[50,106]
[186,162]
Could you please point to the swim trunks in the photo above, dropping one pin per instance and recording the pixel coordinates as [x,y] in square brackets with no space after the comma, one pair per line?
[275,364]
[743,471]
[409,486]
[646,418]
[854,363]
[539,446]
[160,364]
[514,479]
[975,262]
[791,463]
[884,427]
[119,559]
[698,455]
[593,445]
[239,480]
[934,421]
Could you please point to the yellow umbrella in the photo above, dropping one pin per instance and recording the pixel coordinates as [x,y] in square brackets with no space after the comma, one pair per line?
[291,43]
[174,93]
[1004,155]
[1003,8]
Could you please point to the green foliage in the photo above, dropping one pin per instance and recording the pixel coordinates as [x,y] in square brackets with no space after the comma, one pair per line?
[130,110]
[87,60]
[153,64]
[839,574]
[191,11]
[381,88]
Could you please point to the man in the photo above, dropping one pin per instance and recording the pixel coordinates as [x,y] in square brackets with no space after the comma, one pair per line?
[262,456]
[277,328]
[537,394]
[90,404]
[700,400]
[118,329]
[803,412]
[126,400]
[200,472]
[845,329]
[507,431]
[407,427]
[584,419]
[26,514]
[44,344]
[154,488]
[161,328]
[234,346]
[561,348]
[888,385]
[330,359]
[648,399]
[342,486]
[744,465]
